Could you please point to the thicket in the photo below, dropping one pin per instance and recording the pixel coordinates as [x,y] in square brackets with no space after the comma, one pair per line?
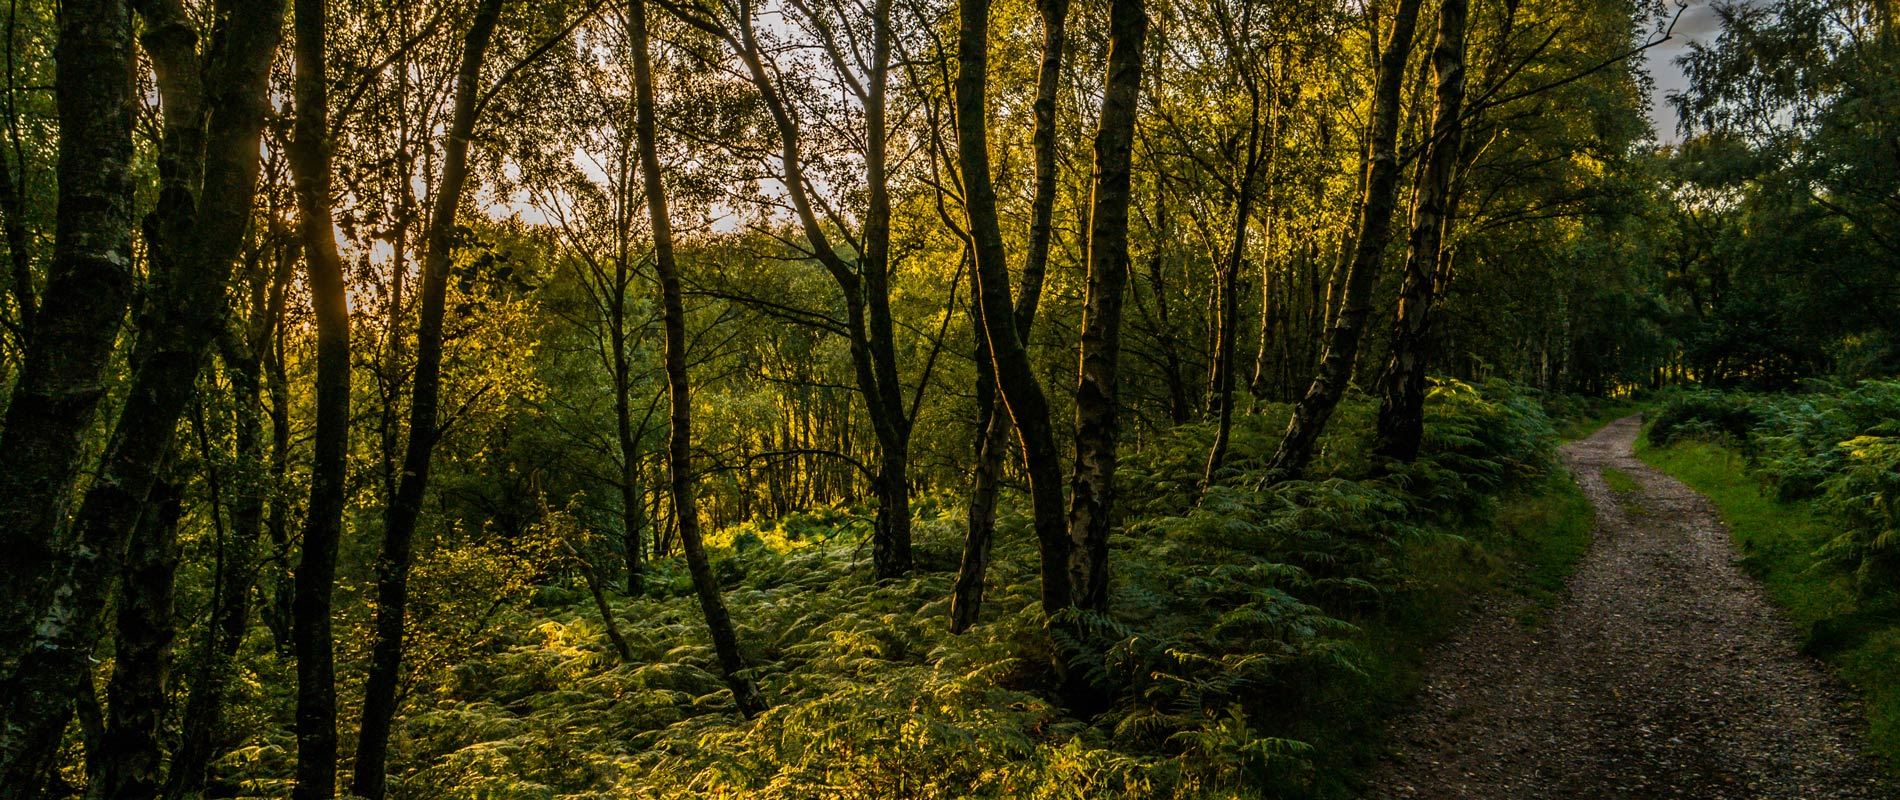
[1238,655]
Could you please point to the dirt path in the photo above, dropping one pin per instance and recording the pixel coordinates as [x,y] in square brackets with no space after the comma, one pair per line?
[1663,673]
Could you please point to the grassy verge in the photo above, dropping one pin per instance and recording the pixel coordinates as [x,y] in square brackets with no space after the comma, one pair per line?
[1527,550]
[1858,636]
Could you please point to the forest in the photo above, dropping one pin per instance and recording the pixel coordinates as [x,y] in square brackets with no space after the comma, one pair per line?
[932,398]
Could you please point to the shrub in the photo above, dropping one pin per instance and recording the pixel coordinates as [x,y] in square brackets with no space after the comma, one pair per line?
[1866,494]
[1705,415]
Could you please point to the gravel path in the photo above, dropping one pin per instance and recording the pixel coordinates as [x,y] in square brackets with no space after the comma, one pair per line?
[1663,673]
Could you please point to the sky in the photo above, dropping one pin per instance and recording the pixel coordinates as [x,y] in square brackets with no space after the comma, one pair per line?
[1698,24]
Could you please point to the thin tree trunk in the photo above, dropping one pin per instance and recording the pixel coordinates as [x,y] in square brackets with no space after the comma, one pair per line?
[89,284]
[632,506]
[370,778]
[891,542]
[966,603]
[196,234]
[865,286]
[1015,377]
[1179,410]
[1259,387]
[1402,386]
[1355,284]
[679,445]
[1229,287]
[277,521]
[1097,408]
[129,758]
[592,576]
[315,580]
[992,430]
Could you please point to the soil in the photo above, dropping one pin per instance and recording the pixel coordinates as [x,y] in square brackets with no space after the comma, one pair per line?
[1663,672]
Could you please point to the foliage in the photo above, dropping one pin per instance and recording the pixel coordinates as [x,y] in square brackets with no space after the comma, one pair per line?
[1233,617]
[1704,414]
[1253,631]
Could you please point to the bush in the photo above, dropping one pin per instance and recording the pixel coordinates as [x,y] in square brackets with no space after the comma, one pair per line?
[1705,415]
[1866,493]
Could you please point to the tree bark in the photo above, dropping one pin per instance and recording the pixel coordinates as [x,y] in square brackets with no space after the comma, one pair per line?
[679,445]
[592,577]
[129,758]
[315,579]
[1015,377]
[88,286]
[1354,286]
[370,778]
[891,540]
[966,602]
[632,505]
[277,519]
[195,235]
[1402,385]
[1097,407]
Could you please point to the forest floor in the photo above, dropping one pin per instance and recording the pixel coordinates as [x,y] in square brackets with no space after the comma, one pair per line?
[1663,672]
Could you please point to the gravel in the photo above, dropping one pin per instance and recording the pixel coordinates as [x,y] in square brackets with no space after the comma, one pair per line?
[1664,672]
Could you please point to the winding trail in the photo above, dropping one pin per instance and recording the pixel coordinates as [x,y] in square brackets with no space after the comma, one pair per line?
[1664,672]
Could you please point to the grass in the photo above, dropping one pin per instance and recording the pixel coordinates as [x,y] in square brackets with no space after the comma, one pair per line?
[1541,538]
[1859,637]
[1620,481]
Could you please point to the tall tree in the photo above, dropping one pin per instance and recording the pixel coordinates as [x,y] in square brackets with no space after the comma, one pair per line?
[1097,404]
[1356,277]
[309,153]
[209,161]
[679,445]
[1402,384]
[863,280]
[1016,379]
[992,443]
[1227,334]
[370,778]
[88,286]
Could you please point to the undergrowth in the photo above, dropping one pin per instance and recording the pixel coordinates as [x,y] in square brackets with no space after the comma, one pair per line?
[1257,638]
